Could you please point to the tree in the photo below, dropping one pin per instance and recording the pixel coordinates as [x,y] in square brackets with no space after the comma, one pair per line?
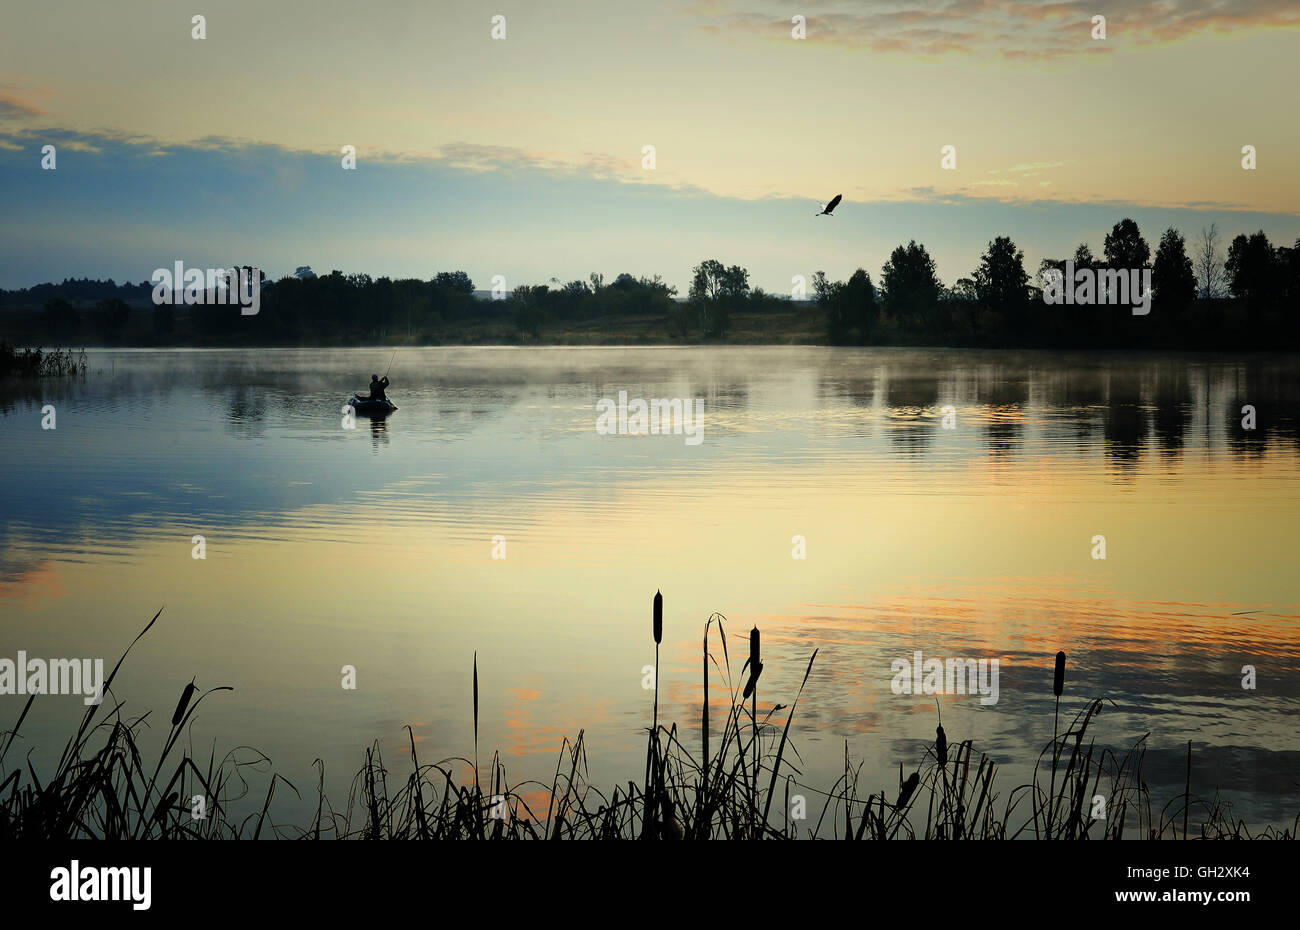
[455,281]
[414,303]
[1124,250]
[164,320]
[1047,267]
[1001,287]
[1001,282]
[964,290]
[451,295]
[1125,247]
[706,280]
[850,308]
[735,285]
[526,308]
[1252,268]
[715,290]
[828,297]
[62,319]
[863,311]
[1288,260]
[1209,263]
[911,288]
[1172,277]
[111,316]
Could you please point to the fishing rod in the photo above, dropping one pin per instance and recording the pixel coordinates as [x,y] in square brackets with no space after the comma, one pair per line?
[390,362]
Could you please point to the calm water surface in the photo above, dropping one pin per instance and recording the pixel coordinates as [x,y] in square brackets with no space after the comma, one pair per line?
[373,548]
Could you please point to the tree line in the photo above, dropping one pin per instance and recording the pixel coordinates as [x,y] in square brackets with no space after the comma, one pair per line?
[1246,297]
[1202,296]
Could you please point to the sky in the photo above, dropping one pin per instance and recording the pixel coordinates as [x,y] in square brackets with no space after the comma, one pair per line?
[523,156]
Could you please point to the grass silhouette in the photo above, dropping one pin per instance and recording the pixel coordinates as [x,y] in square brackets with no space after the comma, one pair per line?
[726,790]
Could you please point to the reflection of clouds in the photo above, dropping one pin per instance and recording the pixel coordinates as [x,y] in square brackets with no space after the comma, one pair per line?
[526,735]
[29,578]
[1168,668]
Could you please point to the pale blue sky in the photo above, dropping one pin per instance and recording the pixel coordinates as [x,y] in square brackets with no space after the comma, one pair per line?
[123,210]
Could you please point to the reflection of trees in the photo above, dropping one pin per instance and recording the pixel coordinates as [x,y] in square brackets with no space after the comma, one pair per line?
[860,390]
[1287,424]
[1125,426]
[247,413]
[913,390]
[1173,411]
[716,397]
[1005,397]
[34,393]
[1262,389]
[1083,393]
[908,397]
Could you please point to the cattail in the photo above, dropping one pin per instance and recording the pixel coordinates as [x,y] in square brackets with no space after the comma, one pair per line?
[1058,685]
[659,618]
[905,792]
[751,688]
[184,703]
[475,718]
[941,745]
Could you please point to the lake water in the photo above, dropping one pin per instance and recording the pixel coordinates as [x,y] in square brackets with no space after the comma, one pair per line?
[373,547]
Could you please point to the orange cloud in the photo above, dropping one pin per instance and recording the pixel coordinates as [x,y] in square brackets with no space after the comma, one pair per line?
[11,107]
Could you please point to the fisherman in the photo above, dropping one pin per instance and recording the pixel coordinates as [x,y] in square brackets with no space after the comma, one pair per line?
[377,386]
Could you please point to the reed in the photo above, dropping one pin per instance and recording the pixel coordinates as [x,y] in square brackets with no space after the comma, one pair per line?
[652,794]
[40,363]
[101,788]
[1058,687]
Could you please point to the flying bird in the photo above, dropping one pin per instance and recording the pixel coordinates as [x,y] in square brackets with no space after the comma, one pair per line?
[830,206]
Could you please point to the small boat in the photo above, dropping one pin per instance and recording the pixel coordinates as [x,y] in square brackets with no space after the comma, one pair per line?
[372,407]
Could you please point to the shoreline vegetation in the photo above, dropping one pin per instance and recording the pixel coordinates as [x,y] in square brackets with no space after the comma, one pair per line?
[1200,297]
[41,363]
[732,782]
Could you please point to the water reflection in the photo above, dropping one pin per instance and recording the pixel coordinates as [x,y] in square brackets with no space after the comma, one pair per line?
[972,540]
[378,431]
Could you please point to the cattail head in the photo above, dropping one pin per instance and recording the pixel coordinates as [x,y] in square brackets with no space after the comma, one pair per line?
[754,672]
[659,618]
[905,791]
[184,703]
[941,745]
[1058,681]
[753,647]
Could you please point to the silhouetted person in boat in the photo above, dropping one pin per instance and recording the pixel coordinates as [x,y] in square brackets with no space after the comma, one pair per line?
[377,385]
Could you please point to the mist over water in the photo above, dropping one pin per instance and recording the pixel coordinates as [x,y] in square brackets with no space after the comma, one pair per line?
[372,548]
